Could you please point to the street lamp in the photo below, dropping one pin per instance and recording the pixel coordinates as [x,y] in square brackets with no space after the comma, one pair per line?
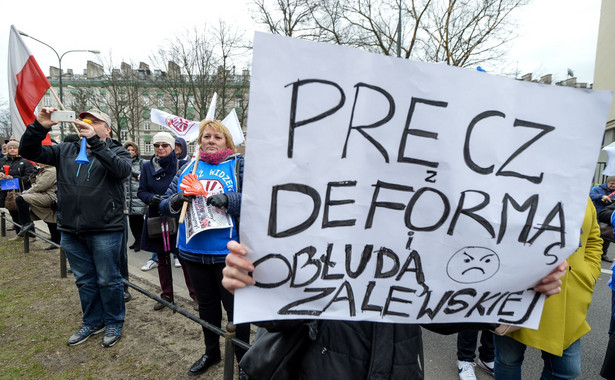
[60,67]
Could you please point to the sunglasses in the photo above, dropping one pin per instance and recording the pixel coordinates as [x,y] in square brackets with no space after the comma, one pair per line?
[161,145]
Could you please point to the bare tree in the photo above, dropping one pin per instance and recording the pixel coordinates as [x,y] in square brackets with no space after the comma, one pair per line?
[6,129]
[121,97]
[188,62]
[467,32]
[199,64]
[230,45]
[286,17]
[458,32]
[80,100]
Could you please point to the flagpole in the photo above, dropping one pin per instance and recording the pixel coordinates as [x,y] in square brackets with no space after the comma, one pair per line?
[53,92]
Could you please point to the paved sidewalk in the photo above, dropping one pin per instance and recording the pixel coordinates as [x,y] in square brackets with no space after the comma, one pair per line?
[137,259]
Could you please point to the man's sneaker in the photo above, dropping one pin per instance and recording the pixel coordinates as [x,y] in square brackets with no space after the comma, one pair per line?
[112,335]
[485,366]
[83,334]
[466,370]
[177,263]
[150,264]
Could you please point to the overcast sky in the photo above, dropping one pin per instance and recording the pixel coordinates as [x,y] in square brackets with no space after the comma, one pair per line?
[554,34]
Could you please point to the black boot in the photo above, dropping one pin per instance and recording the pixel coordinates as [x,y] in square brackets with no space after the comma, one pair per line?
[606,259]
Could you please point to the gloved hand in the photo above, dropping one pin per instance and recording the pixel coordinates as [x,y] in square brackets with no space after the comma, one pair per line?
[218,200]
[155,202]
[177,201]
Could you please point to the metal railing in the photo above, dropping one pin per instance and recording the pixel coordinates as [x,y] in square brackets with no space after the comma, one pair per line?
[230,341]
[26,241]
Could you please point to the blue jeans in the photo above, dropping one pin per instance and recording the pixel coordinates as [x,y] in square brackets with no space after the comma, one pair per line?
[95,262]
[509,358]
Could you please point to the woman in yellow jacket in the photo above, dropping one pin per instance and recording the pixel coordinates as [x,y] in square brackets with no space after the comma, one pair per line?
[563,320]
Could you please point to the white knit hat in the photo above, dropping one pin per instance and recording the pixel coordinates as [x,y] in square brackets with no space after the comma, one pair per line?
[164,137]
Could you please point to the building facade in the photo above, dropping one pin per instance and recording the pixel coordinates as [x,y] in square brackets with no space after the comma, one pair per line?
[129,93]
[604,70]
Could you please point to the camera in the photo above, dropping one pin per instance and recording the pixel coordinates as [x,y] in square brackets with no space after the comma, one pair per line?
[67,116]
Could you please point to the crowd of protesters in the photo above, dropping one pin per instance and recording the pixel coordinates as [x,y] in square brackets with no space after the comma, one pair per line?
[90,206]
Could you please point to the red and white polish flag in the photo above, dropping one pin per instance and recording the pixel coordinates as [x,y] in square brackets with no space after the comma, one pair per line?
[27,84]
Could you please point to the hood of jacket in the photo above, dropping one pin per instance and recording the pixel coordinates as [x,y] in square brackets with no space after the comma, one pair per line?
[134,146]
[182,142]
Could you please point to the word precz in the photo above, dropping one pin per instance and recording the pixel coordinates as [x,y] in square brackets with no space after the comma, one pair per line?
[360,88]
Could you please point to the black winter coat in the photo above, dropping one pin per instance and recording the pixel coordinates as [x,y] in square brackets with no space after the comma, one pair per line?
[345,350]
[90,196]
[352,350]
[19,168]
[364,350]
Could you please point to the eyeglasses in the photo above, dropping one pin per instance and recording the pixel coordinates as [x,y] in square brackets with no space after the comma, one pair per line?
[161,145]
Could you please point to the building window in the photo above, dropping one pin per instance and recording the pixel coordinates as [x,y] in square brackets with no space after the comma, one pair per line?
[239,102]
[145,100]
[162,128]
[123,135]
[47,100]
[146,126]
[160,101]
[191,101]
[148,147]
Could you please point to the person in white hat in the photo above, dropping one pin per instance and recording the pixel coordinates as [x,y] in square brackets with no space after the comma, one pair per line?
[156,175]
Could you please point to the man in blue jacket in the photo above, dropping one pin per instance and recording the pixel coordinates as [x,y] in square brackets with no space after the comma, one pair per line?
[600,194]
[90,216]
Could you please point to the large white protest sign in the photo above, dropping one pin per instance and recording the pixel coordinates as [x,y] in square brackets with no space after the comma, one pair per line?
[386,190]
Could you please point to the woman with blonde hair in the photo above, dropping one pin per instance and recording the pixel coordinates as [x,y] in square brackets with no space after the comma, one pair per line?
[219,170]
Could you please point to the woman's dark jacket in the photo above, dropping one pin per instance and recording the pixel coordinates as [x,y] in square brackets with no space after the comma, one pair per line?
[19,168]
[90,196]
[134,205]
[156,183]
